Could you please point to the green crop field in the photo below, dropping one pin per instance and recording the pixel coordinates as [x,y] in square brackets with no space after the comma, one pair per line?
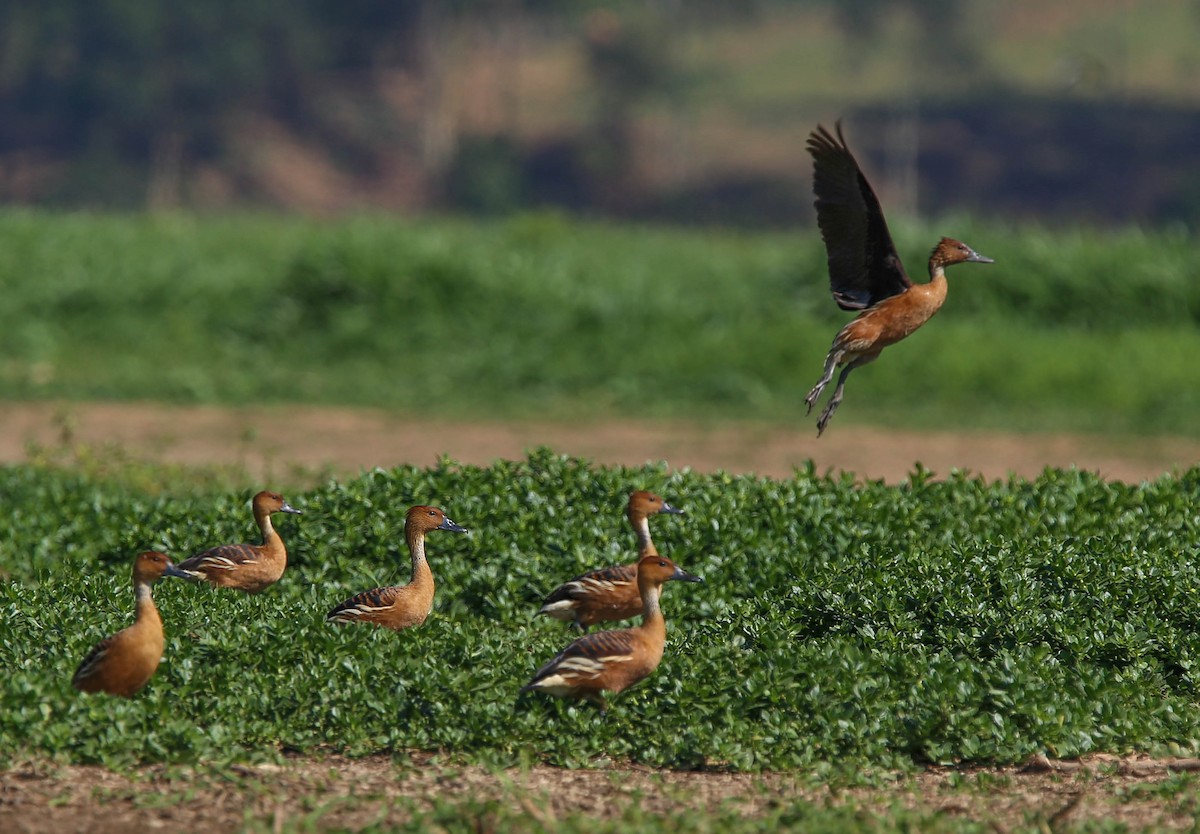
[540,316]
[840,627]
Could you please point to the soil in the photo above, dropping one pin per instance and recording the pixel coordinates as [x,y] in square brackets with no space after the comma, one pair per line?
[268,442]
[334,792]
[348,794]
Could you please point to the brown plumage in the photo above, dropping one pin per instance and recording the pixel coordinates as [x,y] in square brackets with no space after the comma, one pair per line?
[122,663]
[865,273]
[608,594]
[401,606]
[247,567]
[612,661]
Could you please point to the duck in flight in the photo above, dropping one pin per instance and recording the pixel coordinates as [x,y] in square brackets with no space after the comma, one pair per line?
[865,273]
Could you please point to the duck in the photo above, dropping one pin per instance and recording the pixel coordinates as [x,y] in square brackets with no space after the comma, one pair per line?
[122,663]
[865,272]
[401,606]
[609,594]
[613,661]
[247,567]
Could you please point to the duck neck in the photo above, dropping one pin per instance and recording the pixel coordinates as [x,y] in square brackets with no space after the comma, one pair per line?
[421,573]
[145,602]
[641,528]
[652,616]
[937,271]
[935,290]
[271,540]
[269,536]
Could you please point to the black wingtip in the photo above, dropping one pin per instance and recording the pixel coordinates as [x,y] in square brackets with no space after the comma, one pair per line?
[822,141]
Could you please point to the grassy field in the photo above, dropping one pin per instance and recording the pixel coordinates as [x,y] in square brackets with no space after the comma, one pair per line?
[540,316]
[841,628]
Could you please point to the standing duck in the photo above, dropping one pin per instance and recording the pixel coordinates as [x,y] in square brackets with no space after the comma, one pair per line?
[608,594]
[865,272]
[122,663]
[401,606]
[248,567]
[612,661]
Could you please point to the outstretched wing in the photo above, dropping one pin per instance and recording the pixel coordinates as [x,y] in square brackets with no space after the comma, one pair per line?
[225,557]
[585,659]
[864,268]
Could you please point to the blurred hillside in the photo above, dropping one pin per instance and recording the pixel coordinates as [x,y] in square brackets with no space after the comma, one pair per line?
[679,110]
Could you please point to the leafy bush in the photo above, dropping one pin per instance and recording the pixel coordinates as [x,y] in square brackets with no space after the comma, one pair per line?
[844,623]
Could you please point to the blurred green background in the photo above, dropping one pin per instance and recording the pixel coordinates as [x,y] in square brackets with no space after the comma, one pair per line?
[507,209]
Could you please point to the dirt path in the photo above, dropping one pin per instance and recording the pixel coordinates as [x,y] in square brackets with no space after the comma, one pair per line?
[267,440]
[348,794]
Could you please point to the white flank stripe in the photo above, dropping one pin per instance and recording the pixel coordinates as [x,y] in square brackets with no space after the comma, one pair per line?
[602,584]
[583,665]
[555,685]
[223,563]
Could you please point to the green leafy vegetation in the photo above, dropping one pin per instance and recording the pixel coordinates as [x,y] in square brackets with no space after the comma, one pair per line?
[543,317]
[840,625]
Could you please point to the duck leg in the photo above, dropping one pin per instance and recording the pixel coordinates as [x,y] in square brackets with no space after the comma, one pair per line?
[831,363]
[836,399]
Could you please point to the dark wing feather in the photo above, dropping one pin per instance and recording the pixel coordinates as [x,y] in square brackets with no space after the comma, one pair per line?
[374,598]
[87,666]
[590,646]
[864,268]
[569,590]
[222,557]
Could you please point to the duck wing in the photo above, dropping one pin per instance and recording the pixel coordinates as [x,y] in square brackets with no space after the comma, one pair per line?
[225,557]
[587,658]
[595,582]
[864,268]
[365,602]
[91,663]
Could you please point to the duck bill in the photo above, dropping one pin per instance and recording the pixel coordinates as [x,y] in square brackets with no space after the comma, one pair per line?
[670,510]
[976,258]
[176,572]
[288,508]
[447,524]
[683,576]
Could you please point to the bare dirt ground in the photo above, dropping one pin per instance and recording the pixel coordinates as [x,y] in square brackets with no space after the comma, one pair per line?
[341,793]
[348,794]
[270,441]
